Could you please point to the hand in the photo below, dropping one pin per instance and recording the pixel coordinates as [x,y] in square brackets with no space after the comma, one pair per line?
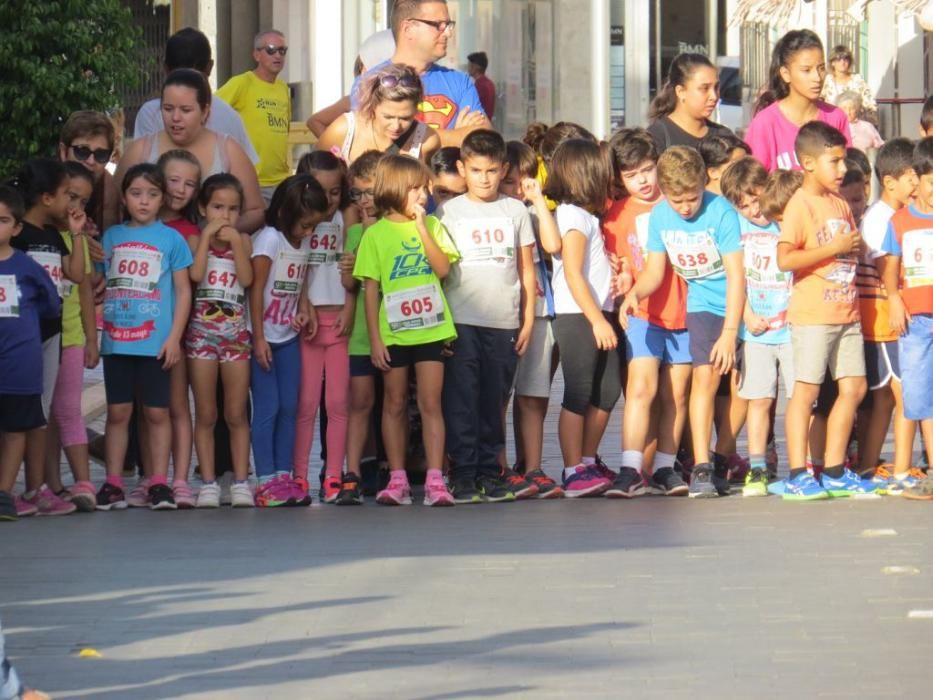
[170,353]
[606,338]
[447,350]
[468,118]
[77,219]
[99,286]
[627,308]
[346,263]
[344,325]
[212,228]
[531,188]
[94,249]
[722,356]
[524,338]
[91,355]
[417,213]
[263,353]
[615,264]
[756,324]
[379,355]
[898,316]
[228,235]
[849,242]
[90,228]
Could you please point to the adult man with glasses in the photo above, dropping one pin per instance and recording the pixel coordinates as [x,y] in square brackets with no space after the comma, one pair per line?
[264,103]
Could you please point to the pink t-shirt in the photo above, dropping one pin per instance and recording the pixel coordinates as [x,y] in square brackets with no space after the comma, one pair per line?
[771,135]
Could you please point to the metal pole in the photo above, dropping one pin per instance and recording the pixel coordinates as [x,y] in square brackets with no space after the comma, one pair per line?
[599,60]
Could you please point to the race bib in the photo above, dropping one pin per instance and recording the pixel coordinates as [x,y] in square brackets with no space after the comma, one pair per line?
[326,243]
[134,268]
[52,264]
[485,240]
[289,271]
[917,250]
[761,262]
[9,297]
[413,309]
[693,255]
[221,283]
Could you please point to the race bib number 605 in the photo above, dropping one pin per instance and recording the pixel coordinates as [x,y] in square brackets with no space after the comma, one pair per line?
[412,309]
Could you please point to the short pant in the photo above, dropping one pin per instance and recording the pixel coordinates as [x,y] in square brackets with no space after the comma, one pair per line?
[127,377]
[210,346]
[533,376]
[362,366]
[645,339]
[840,348]
[408,355]
[881,365]
[761,363]
[704,329]
[916,358]
[20,413]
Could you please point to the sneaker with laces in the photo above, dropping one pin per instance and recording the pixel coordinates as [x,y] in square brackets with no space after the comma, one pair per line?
[756,484]
[520,486]
[436,493]
[139,494]
[8,507]
[630,483]
[667,482]
[351,492]
[603,469]
[110,497]
[183,495]
[84,497]
[24,508]
[48,503]
[209,495]
[493,489]
[397,492]
[701,483]
[922,491]
[882,479]
[464,492]
[848,485]
[161,498]
[547,487]
[241,495]
[804,487]
[300,491]
[897,485]
[737,468]
[331,489]
[585,481]
[273,493]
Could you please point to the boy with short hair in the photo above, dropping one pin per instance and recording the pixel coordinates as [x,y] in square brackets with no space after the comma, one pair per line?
[491,293]
[908,279]
[699,233]
[820,243]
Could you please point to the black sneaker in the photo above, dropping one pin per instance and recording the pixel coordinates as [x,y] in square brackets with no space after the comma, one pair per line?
[721,481]
[701,483]
[494,489]
[518,484]
[628,484]
[161,498]
[110,497]
[465,491]
[7,506]
[350,494]
[667,482]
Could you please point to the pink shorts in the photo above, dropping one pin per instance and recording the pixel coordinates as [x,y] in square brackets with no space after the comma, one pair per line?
[209,346]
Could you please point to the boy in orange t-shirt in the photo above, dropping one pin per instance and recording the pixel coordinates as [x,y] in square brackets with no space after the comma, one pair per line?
[820,243]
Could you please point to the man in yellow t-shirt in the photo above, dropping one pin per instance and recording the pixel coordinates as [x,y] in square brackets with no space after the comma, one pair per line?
[264,103]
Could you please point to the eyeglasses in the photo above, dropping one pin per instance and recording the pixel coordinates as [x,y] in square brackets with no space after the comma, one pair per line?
[440,26]
[356,194]
[406,80]
[272,50]
[101,155]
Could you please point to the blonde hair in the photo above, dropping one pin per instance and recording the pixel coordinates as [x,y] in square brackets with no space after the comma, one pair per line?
[396,176]
[372,92]
[681,170]
[780,187]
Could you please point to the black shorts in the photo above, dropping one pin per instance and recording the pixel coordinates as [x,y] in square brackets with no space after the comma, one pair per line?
[408,355]
[362,366]
[881,364]
[20,413]
[128,377]
[705,328]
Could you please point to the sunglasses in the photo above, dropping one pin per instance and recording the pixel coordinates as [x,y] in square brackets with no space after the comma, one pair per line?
[356,194]
[440,26]
[272,50]
[101,155]
[406,80]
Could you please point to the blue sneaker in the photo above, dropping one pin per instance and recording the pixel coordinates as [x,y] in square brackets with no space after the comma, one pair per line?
[776,488]
[849,484]
[896,486]
[804,487]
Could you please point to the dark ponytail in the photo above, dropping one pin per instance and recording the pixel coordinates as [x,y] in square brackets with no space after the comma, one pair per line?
[682,69]
[785,49]
[36,177]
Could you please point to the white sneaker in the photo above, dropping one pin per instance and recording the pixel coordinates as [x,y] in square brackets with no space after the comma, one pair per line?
[225,481]
[241,495]
[209,496]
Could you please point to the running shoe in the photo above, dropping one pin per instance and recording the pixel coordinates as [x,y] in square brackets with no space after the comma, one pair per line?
[756,484]
[110,497]
[47,503]
[896,485]
[241,495]
[397,492]
[161,498]
[923,491]
[299,491]
[628,484]
[464,491]
[24,508]
[83,496]
[8,506]
[494,489]
[350,491]
[603,469]
[209,496]
[436,493]
[331,489]
[882,478]
[519,485]
[139,495]
[804,487]
[701,483]
[737,468]
[183,495]
[547,487]
[585,481]
[667,482]
[274,493]
[849,484]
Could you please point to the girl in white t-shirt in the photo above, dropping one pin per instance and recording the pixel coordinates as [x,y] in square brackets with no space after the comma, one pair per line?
[280,262]
[578,180]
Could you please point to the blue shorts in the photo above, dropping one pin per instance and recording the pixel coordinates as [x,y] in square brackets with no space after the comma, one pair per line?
[915,352]
[644,339]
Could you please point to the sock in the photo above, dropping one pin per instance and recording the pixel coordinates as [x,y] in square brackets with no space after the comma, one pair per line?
[267,478]
[115,480]
[794,473]
[212,481]
[902,476]
[570,471]
[757,462]
[589,461]
[834,472]
[243,481]
[633,459]
[662,460]
[158,480]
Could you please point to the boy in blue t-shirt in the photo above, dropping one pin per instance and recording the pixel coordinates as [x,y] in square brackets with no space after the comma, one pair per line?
[26,295]
[699,233]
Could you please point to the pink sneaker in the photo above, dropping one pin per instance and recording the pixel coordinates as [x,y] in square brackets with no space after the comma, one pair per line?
[331,489]
[47,503]
[737,468]
[24,508]
[183,495]
[139,496]
[585,481]
[275,493]
[436,493]
[397,492]
[84,496]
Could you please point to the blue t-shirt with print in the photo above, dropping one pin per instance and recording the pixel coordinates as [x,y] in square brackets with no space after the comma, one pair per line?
[139,303]
[767,289]
[695,248]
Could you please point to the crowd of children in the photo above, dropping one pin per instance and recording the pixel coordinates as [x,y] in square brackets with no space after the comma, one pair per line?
[390,300]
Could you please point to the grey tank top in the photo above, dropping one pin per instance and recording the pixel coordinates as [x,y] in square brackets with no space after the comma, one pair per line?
[219,163]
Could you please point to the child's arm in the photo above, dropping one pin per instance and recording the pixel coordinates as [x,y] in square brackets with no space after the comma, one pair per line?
[200,246]
[755,324]
[171,350]
[307,315]
[898,315]
[349,282]
[74,263]
[378,353]
[89,323]
[573,254]
[547,226]
[242,247]
[529,282]
[648,282]
[262,266]
[722,356]
[437,258]
[345,320]
[791,259]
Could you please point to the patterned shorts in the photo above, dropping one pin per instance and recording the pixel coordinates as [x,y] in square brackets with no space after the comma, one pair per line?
[200,345]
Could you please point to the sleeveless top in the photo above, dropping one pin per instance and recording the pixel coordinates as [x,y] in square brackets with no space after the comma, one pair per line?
[418,138]
[219,164]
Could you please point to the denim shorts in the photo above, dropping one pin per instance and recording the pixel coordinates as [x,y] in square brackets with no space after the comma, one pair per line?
[915,352]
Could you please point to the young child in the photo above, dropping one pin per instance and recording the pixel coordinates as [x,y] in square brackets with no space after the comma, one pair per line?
[579,180]
[864,133]
[447,182]
[855,190]
[820,243]
[217,342]
[43,184]
[146,308]
[718,153]
[795,82]
[656,339]
[909,283]
[27,295]
[325,366]
[401,261]
[766,348]
[894,165]
[699,233]
[363,373]
[491,291]
[926,118]
[280,261]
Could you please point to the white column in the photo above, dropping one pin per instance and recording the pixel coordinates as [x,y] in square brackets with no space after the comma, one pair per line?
[207,23]
[599,67]
[327,49]
[637,61]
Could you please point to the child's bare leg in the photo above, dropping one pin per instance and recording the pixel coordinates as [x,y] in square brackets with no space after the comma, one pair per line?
[116,431]
[180,411]
[841,418]
[12,452]
[235,378]
[362,398]
[702,400]
[875,431]
[394,417]
[905,431]
[159,423]
[203,375]
[531,411]
[797,423]
[430,376]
